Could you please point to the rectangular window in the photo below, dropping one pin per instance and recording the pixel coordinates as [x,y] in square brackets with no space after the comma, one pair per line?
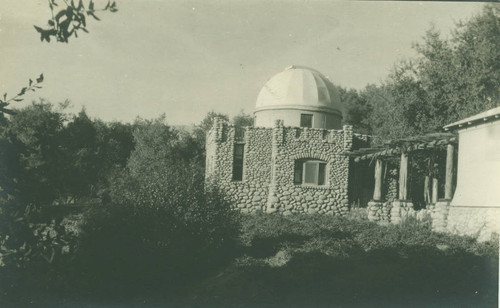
[238,162]
[306,120]
[311,172]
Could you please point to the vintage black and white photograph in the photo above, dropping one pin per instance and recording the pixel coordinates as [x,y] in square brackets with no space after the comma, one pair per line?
[228,153]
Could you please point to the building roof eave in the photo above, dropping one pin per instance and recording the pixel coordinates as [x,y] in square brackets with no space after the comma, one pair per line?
[487,116]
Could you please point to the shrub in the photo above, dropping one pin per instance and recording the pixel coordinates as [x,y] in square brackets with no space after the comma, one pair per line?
[157,231]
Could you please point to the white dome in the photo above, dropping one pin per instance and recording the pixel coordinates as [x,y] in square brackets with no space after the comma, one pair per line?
[299,87]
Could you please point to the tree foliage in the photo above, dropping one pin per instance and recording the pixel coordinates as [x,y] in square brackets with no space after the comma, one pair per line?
[51,156]
[242,119]
[4,101]
[450,79]
[70,19]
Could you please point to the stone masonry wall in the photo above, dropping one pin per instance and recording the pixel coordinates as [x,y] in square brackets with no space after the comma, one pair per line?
[250,194]
[268,172]
[479,222]
[292,143]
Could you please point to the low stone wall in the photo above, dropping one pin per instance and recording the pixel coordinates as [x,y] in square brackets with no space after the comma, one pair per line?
[379,211]
[478,222]
[400,210]
[439,215]
[392,211]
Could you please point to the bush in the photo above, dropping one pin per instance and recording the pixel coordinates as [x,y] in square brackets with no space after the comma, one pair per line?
[157,232]
[37,249]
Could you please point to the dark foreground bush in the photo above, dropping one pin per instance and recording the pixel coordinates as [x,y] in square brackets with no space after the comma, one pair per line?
[157,236]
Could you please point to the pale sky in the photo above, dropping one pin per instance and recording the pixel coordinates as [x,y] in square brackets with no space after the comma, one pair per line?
[186,58]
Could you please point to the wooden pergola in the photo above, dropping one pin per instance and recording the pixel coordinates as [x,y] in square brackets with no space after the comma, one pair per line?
[404,147]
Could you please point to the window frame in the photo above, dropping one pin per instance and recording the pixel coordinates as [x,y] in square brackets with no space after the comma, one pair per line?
[321,172]
[308,115]
[238,163]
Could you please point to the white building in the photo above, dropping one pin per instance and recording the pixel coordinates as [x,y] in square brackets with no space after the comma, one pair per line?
[475,207]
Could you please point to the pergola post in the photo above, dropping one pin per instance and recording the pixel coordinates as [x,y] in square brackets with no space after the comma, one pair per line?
[435,188]
[402,208]
[427,189]
[377,192]
[403,177]
[448,184]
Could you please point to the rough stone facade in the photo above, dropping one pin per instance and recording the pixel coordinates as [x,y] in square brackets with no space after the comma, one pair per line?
[478,222]
[268,167]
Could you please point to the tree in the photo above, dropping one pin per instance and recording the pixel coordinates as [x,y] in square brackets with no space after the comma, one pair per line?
[201,129]
[37,128]
[449,80]
[242,119]
[33,164]
[356,110]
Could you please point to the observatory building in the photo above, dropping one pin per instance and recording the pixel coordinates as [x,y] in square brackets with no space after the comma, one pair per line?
[301,97]
[294,158]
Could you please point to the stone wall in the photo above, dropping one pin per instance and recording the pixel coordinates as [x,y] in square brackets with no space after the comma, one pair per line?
[250,194]
[293,143]
[479,222]
[268,172]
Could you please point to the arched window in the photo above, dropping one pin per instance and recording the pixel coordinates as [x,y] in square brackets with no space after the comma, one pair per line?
[310,172]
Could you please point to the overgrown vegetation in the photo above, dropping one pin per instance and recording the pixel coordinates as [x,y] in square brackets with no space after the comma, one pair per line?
[108,208]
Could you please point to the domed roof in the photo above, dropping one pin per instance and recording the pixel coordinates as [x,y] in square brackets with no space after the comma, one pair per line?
[299,87]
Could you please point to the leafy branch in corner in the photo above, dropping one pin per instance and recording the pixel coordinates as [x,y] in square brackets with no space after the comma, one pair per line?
[69,20]
[32,86]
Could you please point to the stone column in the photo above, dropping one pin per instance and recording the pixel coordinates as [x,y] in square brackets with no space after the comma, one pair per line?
[277,140]
[448,184]
[218,127]
[347,137]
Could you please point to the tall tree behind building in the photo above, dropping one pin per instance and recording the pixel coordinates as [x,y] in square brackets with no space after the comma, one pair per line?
[449,79]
